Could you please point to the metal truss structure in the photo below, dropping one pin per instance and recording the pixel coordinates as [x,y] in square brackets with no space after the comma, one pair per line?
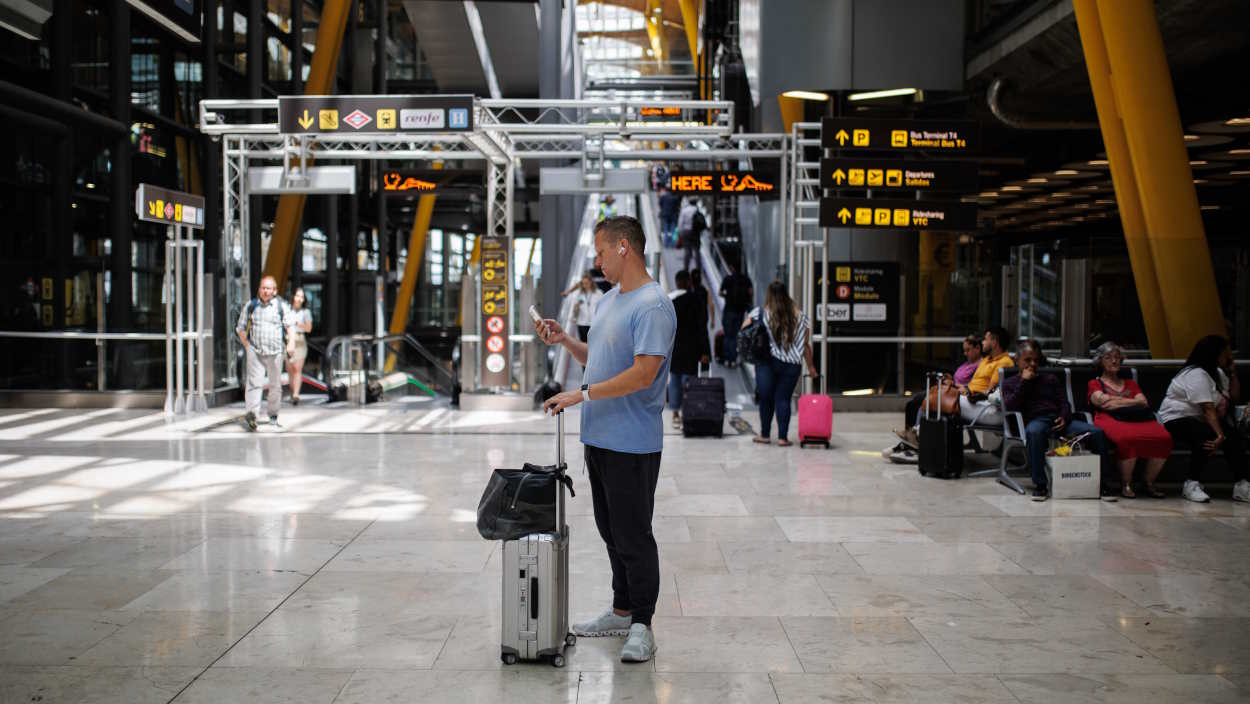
[595,132]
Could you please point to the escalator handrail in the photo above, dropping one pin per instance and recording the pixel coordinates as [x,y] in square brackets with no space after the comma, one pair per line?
[367,340]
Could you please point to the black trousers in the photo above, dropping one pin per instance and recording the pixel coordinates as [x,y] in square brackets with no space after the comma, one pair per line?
[1191,432]
[622,489]
[583,331]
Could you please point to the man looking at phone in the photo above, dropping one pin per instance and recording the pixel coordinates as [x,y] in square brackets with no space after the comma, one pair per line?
[626,361]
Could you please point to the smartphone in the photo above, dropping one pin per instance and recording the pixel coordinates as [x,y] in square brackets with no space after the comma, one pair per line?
[534,314]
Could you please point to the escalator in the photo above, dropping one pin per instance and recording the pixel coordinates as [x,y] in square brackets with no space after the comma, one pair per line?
[364,368]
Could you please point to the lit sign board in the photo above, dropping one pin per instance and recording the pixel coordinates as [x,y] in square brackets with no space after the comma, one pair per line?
[494,311]
[898,175]
[160,205]
[879,213]
[396,181]
[866,134]
[862,295]
[373,114]
[660,112]
[744,183]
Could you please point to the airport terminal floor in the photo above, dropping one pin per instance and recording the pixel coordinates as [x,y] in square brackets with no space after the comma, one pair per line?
[336,560]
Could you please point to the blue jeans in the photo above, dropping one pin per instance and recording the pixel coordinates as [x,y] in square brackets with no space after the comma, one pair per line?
[1038,432]
[676,383]
[774,387]
[731,322]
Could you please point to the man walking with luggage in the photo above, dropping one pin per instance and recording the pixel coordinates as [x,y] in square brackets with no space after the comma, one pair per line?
[626,362]
[266,325]
[739,295]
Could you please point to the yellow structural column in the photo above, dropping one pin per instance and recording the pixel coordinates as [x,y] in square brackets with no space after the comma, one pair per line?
[286,224]
[1131,217]
[412,265]
[1152,127]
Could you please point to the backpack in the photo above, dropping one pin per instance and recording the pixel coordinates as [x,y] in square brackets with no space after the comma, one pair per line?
[282,311]
[738,291]
[698,223]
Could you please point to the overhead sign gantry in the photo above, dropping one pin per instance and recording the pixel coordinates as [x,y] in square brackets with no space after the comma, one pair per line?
[502,133]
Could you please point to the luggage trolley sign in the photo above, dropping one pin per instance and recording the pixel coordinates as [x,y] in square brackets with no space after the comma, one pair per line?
[374,114]
[863,296]
[495,301]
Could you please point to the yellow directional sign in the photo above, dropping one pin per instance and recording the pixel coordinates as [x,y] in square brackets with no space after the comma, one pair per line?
[902,217]
[839,176]
[900,214]
[863,216]
[305,120]
[890,134]
[844,215]
[328,119]
[386,119]
[898,174]
[894,177]
[881,216]
[875,177]
[856,177]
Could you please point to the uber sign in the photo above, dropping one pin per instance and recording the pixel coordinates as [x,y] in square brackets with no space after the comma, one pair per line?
[862,295]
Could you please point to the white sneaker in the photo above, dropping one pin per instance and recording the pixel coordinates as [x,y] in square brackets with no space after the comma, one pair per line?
[1241,491]
[1192,491]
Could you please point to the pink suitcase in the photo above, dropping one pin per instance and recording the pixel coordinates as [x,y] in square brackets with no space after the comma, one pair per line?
[815,419]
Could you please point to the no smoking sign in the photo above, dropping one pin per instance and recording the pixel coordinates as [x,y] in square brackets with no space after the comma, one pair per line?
[494,324]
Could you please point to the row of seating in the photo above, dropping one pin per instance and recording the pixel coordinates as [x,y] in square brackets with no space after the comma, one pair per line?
[1153,380]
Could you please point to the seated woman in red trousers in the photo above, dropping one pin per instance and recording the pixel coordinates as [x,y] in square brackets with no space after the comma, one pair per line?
[1123,413]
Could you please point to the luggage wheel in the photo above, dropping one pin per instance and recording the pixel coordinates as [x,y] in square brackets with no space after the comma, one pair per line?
[508,659]
[570,640]
[557,661]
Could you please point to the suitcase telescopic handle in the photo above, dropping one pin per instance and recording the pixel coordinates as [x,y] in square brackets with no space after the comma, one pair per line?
[559,470]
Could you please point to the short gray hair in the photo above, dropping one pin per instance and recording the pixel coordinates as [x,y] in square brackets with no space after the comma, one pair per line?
[1103,351]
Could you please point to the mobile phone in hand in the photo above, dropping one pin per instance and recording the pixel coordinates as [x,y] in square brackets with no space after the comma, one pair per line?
[534,314]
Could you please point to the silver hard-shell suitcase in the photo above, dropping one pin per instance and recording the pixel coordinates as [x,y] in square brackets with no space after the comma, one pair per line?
[536,586]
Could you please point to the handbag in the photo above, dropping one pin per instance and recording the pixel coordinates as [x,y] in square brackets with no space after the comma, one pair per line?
[518,502]
[753,343]
[945,400]
[1138,414]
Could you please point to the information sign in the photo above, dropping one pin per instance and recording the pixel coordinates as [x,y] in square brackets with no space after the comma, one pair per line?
[740,183]
[863,134]
[495,297]
[161,205]
[898,175]
[880,213]
[372,114]
[862,295]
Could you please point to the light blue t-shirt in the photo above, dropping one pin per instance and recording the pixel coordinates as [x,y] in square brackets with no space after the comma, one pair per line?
[639,322]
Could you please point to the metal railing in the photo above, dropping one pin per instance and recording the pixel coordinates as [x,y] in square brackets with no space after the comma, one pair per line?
[355,360]
[101,339]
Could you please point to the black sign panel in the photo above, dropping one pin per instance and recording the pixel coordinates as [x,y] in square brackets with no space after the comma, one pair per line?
[862,295]
[898,175]
[883,214]
[372,114]
[161,205]
[864,134]
[724,183]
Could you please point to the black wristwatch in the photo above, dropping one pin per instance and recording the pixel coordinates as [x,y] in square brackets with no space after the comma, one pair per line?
[585,392]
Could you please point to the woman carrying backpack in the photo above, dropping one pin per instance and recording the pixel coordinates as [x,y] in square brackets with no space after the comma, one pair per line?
[790,344]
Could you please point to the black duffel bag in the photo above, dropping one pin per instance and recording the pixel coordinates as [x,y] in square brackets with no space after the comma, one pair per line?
[518,502]
[754,346]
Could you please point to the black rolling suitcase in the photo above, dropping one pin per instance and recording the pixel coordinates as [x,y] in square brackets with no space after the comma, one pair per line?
[703,407]
[941,440]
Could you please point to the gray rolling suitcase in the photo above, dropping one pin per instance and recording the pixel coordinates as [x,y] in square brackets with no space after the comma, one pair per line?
[536,586]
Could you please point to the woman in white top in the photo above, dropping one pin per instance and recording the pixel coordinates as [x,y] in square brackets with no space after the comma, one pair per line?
[586,297]
[1196,411]
[303,326]
[790,345]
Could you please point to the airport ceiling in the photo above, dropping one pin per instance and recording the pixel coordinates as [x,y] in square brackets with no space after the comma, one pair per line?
[1033,60]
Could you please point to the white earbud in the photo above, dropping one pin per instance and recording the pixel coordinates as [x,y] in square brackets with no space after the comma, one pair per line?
[622,251]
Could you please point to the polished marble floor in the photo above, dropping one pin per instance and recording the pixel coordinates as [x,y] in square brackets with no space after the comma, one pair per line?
[336,560]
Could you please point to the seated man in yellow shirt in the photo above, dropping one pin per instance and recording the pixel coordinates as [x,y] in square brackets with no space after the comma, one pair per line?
[985,379]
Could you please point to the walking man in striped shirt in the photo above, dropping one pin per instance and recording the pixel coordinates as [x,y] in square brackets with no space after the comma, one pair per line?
[266,326]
